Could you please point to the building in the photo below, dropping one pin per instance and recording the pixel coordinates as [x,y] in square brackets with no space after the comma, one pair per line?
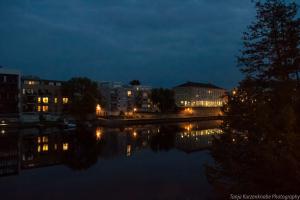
[118,99]
[191,94]
[42,96]
[10,104]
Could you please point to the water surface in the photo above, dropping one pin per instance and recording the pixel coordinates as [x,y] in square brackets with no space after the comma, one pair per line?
[138,162]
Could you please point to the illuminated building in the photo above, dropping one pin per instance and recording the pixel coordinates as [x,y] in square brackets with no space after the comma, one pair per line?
[10,104]
[121,99]
[192,95]
[42,96]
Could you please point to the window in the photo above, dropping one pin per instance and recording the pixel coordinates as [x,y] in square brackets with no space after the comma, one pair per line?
[55,100]
[39,108]
[45,100]
[45,147]
[65,100]
[129,93]
[45,108]
[65,146]
[39,100]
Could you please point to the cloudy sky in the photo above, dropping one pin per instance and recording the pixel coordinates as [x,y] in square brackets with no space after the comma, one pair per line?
[160,42]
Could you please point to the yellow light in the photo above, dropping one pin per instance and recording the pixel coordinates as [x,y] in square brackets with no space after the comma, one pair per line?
[65,100]
[45,99]
[98,110]
[39,148]
[39,108]
[39,100]
[134,109]
[98,134]
[45,147]
[129,93]
[55,100]
[134,133]
[65,146]
[128,150]
[45,108]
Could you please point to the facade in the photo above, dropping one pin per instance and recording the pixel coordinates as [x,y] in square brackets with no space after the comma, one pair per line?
[191,94]
[118,99]
[42,96]
[10,104]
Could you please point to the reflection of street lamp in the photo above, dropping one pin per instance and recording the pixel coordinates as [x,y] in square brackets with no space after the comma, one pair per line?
[98,134]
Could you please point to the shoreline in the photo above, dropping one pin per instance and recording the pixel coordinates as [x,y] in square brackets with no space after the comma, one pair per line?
[117,122]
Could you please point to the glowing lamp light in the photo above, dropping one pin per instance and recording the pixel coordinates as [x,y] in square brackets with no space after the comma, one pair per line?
[98,110]
[135,109]
[98,134]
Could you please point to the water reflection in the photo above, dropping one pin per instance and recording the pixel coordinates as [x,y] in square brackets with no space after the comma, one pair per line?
[82,148]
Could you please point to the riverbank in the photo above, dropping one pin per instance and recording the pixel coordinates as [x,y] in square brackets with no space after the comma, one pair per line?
[158,120]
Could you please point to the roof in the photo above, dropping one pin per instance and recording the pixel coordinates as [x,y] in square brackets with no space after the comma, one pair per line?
[200,85]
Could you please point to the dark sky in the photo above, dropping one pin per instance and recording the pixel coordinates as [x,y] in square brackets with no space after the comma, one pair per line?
[160,42]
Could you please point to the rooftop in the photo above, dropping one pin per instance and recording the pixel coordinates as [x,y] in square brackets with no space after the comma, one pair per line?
[200,85]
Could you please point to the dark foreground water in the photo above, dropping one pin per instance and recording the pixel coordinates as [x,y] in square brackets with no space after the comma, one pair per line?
[139,162]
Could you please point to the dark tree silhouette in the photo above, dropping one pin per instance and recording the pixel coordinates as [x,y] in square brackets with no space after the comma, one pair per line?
[135,82]
[83,96]
[259,150]
[164,99]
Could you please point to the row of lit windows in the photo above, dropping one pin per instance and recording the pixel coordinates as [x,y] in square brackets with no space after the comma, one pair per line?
[45,147]
[217,103]
[45,100]
[32,82]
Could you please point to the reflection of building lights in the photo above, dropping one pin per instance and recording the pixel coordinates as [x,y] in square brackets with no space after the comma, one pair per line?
[128,150]
[2,131]
[98,134]
[188,110]
[65,146]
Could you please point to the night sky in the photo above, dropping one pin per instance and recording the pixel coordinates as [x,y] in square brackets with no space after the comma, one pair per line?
[160,42]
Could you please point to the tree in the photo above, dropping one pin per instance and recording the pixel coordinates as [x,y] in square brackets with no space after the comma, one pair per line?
[261,134]
[164,99]
[84,96]
[271,45]
[135,82]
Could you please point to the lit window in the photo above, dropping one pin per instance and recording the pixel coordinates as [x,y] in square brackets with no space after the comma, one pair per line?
[45,147]
[39,108]
[45,100]
[129,93]
[65,100]
[65,146]
[39,140]
[39,99]
[45,108]
[55,100]
[45,139]
[39,148]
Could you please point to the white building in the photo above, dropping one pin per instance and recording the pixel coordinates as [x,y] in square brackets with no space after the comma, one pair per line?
[191,94]
[118,99]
